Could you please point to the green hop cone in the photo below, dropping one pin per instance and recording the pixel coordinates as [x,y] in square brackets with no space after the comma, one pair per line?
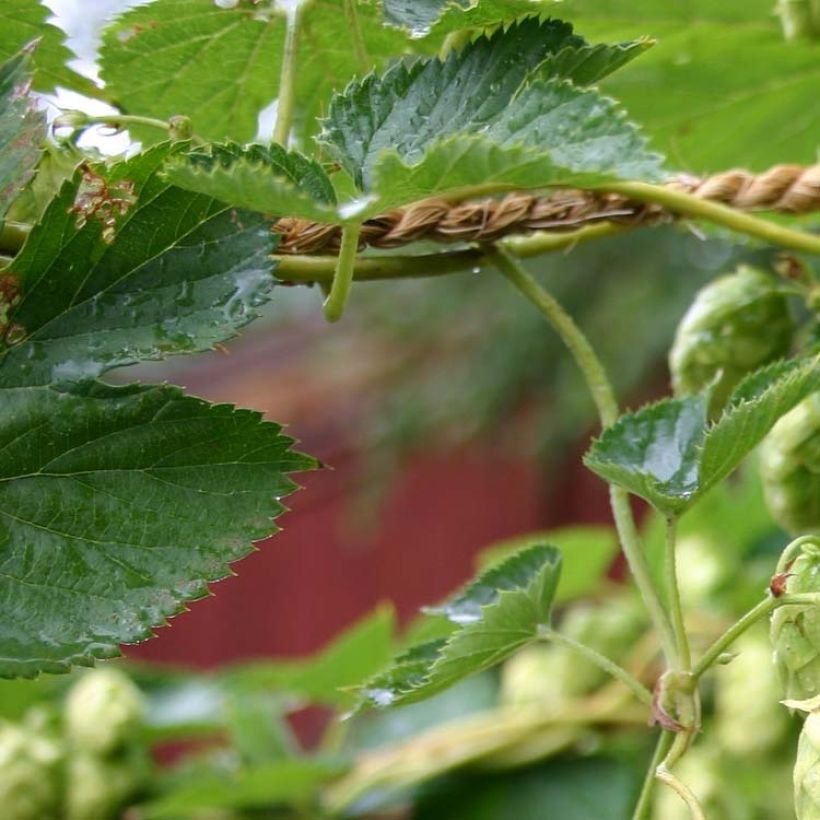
[747,694]
[736,324]
[790,468]
[29,773]
[103,711]
[795,630]
[807,762]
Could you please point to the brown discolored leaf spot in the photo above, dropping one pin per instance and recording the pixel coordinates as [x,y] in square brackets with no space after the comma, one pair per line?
[10,293]
[102,202]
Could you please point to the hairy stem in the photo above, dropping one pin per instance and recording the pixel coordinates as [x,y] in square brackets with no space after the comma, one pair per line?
[673,594]
[355,28]
[644,803]
[287,77]
[602,662]
[343,278]
[688,205]
[604,398]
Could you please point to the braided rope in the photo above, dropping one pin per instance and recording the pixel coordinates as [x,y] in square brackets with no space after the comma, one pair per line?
[792,189]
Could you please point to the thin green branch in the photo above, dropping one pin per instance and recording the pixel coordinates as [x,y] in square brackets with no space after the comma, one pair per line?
[287,78]
[604,398]
[688,205]
[673,594]
[602,662]
[682,790]
[343,278]
[644,804]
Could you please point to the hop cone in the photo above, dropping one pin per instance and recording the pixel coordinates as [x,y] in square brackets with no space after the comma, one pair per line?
[790,468]
[736,324]
[807,770]
[102,711]
[795,630]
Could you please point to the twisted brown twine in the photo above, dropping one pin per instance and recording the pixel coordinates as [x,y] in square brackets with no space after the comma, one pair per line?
[793,189]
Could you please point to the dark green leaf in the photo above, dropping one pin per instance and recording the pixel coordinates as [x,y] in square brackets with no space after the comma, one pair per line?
[359,653]
[22,129]
[24,21]
[118,505]
[123,267]
[261,178]
[670,455]
[289,782]
[498,613]
[586,552]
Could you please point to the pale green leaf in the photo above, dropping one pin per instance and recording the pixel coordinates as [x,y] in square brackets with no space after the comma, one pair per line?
[287,782]
[22,129]
[261,178]
[221,66]
[722,88]
[669,453]
[498,613]
[357,654]
[23,22]
[178,272]
[118,505]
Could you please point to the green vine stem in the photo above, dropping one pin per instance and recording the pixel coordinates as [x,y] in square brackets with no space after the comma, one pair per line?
[602,662]
[673,593]
[177,127]
[688,205]
[665,776]
[287,77]
[644,804]
[343,277]
[604,398]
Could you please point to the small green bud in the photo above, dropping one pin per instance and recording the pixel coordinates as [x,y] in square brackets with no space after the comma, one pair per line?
[736,324]
[103,710]
[795,630]
[790,468]
[29,773]
[527,677]
[749,718]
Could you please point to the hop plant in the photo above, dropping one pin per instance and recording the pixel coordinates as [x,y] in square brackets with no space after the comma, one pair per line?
[98,788]
[795,630]
[736,324]
[102,711]
[748,695]
[29,773]
[790,468]
[807,762]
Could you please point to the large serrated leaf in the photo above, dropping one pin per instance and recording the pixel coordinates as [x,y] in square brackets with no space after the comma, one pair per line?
[118,505]
[495,615]
[408,108]
[552,135]
[221,66]
[124,267]
[267,179]
[669,454]
[23,22]
[22,129]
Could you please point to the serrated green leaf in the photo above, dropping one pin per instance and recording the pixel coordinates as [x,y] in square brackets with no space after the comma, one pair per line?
[746,107]
[23,22]
[669,454]
[553,135]
[118,505]
[221,66]
[267,179]
[22,129]
[497,614]
[287,782]
[177,273]
[357,654]
[408,108]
